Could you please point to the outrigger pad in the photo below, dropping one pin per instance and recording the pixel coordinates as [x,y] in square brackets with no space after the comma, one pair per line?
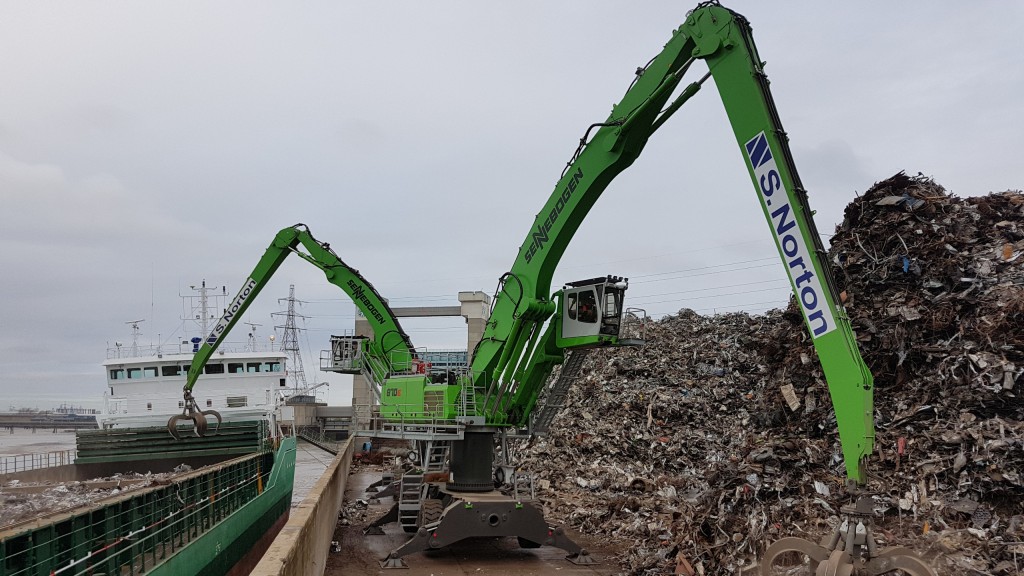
[392,563]
[465,519]
[389,490]
[374,528]
[583,558]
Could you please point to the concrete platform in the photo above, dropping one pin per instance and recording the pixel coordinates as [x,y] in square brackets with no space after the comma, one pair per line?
[359,553]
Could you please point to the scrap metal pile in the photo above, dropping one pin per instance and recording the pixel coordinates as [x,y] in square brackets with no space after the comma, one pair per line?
[717,438]
[22,501]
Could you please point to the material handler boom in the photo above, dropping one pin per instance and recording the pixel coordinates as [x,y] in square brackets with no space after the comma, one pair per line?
[390,347]
[516,354]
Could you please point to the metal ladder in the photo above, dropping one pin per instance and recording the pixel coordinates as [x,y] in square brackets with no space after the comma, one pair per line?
[469,412]
[409,501]
[556,394]
[436,455]
[367,369]
[522,487]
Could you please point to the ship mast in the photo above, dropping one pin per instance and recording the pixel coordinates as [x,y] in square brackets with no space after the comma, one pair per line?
[251,345]
[204,317]
[136,332]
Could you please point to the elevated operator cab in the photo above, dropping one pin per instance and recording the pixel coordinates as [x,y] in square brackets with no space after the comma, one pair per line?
[591,313]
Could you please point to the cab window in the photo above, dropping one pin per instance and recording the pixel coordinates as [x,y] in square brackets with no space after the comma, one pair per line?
[588,307]
[612,304]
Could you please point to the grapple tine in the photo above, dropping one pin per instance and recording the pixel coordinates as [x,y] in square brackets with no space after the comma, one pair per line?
[816,553]
[216,415]
[899,559]
[844,557]
[839,563]
[172,425]
[200,421]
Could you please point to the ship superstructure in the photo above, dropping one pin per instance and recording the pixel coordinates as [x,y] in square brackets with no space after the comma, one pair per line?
[243,381]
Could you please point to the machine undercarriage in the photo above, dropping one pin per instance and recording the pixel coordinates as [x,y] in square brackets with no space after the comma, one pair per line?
[491,501]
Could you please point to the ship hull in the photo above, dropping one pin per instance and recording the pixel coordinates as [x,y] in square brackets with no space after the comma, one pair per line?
[235,546]
[213,521]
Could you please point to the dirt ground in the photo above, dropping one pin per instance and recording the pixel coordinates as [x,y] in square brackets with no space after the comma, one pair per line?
[359,553]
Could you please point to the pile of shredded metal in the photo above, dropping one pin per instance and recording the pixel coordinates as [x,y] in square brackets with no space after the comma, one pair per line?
[693,454]
[21,501]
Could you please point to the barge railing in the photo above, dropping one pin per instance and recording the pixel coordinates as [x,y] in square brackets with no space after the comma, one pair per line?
[24,462]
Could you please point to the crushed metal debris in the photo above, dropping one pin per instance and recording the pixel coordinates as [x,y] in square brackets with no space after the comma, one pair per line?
[23,501]
[718,436]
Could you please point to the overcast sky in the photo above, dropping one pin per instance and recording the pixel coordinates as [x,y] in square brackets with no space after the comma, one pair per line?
[147,146]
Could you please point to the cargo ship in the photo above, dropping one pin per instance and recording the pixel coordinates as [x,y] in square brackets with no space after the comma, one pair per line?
[215,520]
[242,381]
[205,506]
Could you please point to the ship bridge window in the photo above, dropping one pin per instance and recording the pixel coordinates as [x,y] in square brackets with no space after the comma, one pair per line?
[149,372]
[235,368]
[253,367]
[117,374]
[170,370]
[134,373]
[273,367]
[215,368]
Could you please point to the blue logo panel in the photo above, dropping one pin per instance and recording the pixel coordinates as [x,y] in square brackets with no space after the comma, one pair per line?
[789,237]
[758,151]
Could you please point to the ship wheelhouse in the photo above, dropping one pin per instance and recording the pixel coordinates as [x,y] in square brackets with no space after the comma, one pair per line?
[142,390]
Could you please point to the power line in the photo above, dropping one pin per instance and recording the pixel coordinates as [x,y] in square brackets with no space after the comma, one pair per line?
[644,298]
[720,309]
[664,255]
[707,289]
[390,299]
[708,296]
[604,263]
[692,273]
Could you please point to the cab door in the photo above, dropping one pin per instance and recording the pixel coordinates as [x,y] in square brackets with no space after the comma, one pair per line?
[582,312]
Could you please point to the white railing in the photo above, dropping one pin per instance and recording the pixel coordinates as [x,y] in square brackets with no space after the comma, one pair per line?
[24,462]
[634,324]
[155,351]
[345,355]
[414,420]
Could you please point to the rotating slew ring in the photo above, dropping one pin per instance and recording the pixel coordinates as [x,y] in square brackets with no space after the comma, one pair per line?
[193,414]
[850,552]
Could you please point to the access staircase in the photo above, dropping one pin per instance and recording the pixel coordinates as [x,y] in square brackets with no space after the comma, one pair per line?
[409,489]
[555,400]
[435,455]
